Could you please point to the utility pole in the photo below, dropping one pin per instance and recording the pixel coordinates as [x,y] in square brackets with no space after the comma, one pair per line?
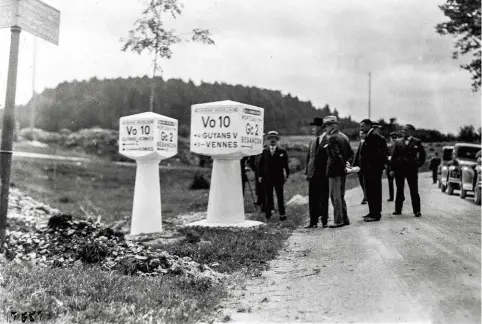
[7,132]
[369,95]
[32,104]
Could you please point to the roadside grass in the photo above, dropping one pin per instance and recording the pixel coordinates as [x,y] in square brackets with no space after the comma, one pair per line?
[102,188]
[90,295]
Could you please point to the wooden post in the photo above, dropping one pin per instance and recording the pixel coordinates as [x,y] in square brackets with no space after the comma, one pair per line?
[7,132]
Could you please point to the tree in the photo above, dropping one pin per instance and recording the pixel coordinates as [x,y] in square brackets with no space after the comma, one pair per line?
[150,34]
[464,24]
[468,134]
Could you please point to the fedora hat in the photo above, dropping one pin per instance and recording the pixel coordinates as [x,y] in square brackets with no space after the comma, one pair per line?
[330,120]
[317,121]
[273,134]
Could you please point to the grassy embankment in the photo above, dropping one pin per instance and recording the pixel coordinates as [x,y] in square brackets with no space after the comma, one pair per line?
[87,294]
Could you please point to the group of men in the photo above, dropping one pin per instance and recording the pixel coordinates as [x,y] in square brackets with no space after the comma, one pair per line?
[329,159]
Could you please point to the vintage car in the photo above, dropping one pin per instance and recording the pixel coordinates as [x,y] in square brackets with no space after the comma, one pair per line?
[462,168]
[443,168]
[478,181]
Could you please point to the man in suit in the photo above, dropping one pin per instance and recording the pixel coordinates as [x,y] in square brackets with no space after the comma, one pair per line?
[356,162]
[339,155]
[373,158]
[391,191]
[408,155]
[273,172]
[434,163]
[318,189]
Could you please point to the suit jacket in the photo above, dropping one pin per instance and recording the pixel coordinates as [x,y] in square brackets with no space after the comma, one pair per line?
[411,156]
[311,156]
[271,166]
[373,153]
[338,152]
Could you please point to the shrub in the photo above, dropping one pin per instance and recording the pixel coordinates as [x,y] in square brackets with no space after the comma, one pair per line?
[199,182]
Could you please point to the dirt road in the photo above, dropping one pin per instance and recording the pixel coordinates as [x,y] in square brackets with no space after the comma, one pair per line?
[401,269]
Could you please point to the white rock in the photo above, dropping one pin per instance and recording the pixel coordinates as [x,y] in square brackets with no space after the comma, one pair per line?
[297,200]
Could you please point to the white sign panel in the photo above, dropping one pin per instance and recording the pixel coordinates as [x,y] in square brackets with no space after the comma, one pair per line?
[7,12]
[39,19]
[147,133]
[167,135]
[226,128]
[137,135]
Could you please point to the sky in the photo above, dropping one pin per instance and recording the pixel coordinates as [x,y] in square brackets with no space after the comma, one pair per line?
[320,51]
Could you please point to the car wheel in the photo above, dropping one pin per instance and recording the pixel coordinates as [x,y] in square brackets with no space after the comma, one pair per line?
[450,188]
[477,195]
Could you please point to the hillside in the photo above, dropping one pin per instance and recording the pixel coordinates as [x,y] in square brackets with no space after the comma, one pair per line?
[84,104]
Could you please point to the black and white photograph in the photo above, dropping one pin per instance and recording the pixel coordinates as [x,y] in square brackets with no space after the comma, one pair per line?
[240,161]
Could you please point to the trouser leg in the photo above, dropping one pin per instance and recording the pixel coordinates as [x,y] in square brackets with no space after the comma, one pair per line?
[279,188]
[412,179]
[314,200]
[335,194]
[400,197]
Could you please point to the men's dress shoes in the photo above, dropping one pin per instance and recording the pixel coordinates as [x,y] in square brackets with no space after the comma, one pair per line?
[283,218]
[371,219]
[312,226]
[367,215]
[418,214]
[324,226]
[336,226]
[364,202]
[391,199]
[396,213]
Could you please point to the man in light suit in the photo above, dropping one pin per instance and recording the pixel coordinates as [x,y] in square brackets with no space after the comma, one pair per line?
[318,182]
[339,155]
[273,172]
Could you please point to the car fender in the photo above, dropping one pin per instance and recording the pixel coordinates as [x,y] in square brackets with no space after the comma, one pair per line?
[467,178]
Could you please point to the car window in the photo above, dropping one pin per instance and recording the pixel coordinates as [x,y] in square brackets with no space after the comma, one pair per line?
[468,152]
[447,154]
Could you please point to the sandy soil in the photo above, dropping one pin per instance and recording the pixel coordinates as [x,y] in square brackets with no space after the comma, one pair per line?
[401,269]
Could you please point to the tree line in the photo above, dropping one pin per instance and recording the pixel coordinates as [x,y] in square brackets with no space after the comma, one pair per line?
[100,103]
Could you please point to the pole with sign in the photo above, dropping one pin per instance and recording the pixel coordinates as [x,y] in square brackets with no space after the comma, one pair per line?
[147,138]
[226,131]
[43,21]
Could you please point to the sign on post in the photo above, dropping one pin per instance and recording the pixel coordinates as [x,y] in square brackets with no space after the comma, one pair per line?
[226,131]
[226,128]
[148,138]
[34,16]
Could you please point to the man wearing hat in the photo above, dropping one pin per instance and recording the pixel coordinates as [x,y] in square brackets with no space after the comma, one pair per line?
[408,155]
[339,155]
[373,159]
[318,189]
[273,172]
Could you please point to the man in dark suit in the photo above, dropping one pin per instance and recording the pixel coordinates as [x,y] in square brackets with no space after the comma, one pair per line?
[434,163]
[318,189]
[373,158]
[391,191]
[408,155]
[356,163]
[273,172]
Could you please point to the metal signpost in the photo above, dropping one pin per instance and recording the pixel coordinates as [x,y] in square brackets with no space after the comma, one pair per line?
[42,21]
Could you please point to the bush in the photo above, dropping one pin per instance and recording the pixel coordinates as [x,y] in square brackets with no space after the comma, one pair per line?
[199,182]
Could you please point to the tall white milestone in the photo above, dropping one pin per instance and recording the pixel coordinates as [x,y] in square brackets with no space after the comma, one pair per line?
[147,138]
[227,131]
